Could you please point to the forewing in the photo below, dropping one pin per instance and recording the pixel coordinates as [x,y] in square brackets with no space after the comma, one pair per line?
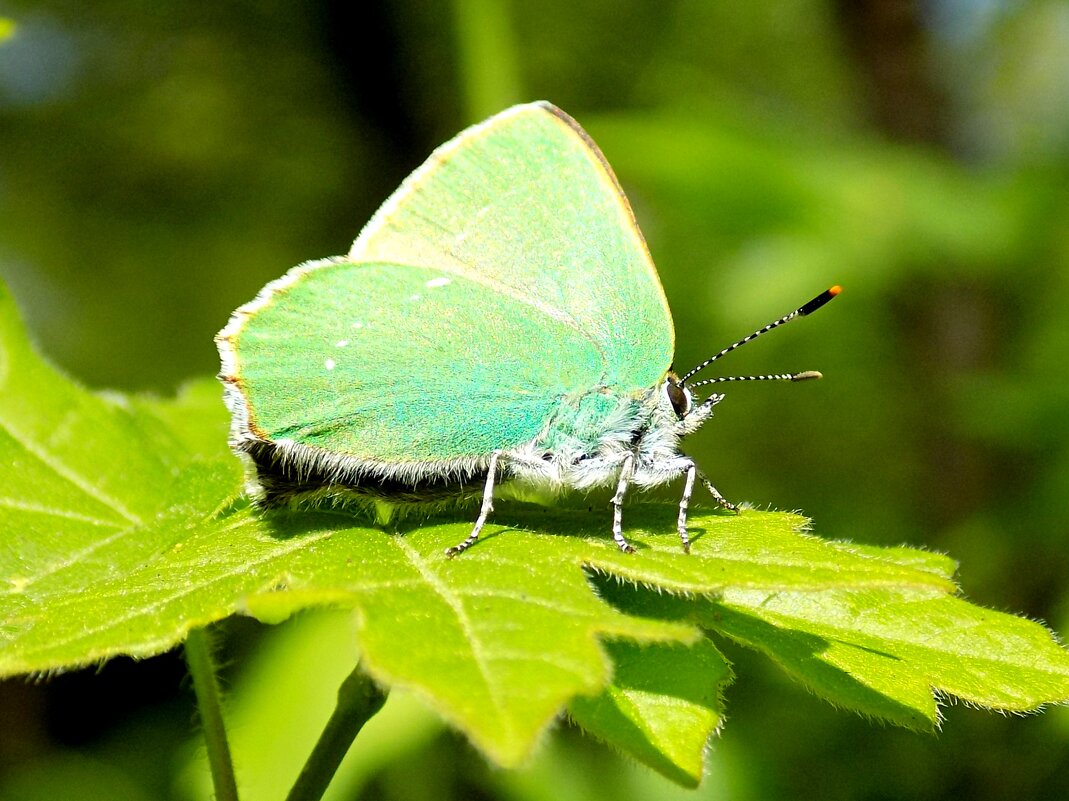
[403,363]
[525,204]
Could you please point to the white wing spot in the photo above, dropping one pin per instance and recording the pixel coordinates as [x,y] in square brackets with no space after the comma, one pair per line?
[437,282]
[329,364]
[341,343]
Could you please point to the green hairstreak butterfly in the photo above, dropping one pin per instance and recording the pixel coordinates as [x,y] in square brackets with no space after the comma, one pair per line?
[497,325]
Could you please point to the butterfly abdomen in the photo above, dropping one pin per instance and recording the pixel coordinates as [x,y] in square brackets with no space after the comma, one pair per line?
[284,477]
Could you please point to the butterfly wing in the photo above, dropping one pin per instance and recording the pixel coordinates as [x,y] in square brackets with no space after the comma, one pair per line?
[397,363]
[505,273]
[526,203]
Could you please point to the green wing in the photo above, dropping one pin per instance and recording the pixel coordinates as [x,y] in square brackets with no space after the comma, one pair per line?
[397,363]
[506,272]
[525,203]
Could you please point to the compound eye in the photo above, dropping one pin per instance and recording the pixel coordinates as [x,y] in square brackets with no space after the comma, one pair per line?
[679,398]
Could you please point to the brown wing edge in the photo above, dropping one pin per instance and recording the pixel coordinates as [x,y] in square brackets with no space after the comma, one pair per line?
[578,129]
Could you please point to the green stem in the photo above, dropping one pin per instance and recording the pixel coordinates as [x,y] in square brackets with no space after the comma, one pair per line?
[198,651]
[358,700]
[486,57]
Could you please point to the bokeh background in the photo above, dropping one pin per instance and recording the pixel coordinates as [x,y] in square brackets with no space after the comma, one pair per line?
[160,161]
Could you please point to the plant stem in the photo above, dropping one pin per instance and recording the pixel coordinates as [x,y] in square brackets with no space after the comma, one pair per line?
[358,700]
[486,47]
[198,650]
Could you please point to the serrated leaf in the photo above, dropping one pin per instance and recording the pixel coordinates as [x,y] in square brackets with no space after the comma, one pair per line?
[121,528]
[936,563]
[870,681]
[886,652]
[663,705]
[769,550]
[941,642]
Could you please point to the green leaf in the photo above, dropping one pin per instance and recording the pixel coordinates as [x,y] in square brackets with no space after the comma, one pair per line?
[122,528]
[87,477]
[904,644]
[663,705]
[882,651]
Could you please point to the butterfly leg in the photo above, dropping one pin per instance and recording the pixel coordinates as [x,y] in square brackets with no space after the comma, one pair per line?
[484,511]
[627,470]
[720,499]
[684,502]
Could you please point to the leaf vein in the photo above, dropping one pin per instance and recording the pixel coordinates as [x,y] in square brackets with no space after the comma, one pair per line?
[33,508]
[454,603]
[124,591]
[545,603]
[72,559]
[61,470]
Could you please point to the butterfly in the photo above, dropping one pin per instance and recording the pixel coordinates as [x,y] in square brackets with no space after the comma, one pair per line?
[498,328]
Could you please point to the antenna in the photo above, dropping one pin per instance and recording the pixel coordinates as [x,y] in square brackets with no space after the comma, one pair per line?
[801,311]
[804,376]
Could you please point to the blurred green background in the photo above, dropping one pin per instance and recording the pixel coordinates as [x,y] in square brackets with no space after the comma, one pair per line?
[160,161]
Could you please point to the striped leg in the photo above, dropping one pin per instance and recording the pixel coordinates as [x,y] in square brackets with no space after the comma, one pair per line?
[684,502]
[627,470]
[484,512]
[720,499]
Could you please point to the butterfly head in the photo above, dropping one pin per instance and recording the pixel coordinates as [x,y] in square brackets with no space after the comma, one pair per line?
[679,396]
[688,411]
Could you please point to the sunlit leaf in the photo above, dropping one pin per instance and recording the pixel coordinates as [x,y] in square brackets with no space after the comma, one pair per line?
[122,527]
[663,705]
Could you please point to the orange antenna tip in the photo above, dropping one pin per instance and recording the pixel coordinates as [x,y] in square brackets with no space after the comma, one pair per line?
[819,300]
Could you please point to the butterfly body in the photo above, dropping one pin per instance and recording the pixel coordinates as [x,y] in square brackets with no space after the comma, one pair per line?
[585,441]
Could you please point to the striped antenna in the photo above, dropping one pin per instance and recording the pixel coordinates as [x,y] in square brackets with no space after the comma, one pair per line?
[805,376]
[801,311]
